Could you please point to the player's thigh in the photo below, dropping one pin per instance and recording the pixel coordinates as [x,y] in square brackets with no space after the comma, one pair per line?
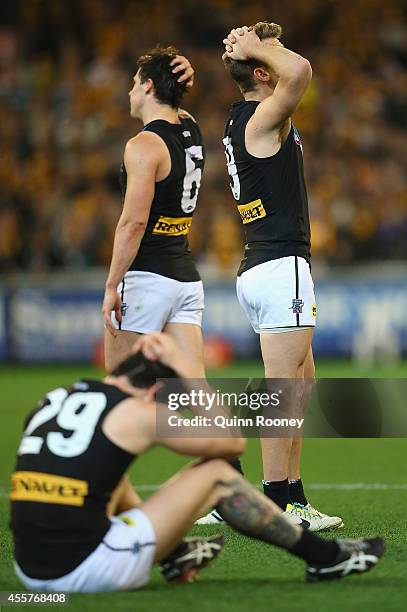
[188,337]
[173,509]
[118,347]
[285,352]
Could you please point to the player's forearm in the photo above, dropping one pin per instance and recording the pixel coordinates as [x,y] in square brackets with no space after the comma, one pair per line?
[285,64]
[126,244]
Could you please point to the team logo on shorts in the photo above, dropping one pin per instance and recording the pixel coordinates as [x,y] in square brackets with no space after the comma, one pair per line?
[297,306]
[123,309]
[314,310]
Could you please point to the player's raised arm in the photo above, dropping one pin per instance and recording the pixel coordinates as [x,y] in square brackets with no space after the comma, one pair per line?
[287,73]
[142,158]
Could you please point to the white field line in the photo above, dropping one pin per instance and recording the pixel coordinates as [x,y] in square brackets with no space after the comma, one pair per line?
[333,486]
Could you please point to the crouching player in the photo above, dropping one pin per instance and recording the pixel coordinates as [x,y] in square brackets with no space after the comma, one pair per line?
[78,444]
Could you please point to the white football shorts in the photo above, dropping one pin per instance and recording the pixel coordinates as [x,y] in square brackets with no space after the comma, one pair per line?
[121,562]
[150,301]
[278,295]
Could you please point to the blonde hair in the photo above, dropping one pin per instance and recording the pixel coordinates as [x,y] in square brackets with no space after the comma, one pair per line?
[264,29]
[242,71]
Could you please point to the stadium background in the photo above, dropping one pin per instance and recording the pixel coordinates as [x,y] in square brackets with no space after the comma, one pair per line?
[65,70]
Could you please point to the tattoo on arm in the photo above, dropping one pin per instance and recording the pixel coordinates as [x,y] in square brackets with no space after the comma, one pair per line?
[251,513]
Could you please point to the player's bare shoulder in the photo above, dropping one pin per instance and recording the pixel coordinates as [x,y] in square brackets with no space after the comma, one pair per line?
[131,425]
[145,146]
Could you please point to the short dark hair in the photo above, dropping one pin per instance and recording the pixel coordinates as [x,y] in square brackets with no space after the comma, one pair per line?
[155,65]
[242,71]
[142,372]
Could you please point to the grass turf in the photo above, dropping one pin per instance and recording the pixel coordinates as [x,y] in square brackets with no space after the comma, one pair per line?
[249,574]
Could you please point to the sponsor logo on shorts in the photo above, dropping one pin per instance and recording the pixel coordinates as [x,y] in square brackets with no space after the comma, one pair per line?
[123,309]
[173,226]
[252,211]
[128,520]
[314,310]
[297,306]
[48,489]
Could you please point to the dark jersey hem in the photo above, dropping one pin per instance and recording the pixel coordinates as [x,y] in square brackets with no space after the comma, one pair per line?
[255,258]
[183,274]
[59,569]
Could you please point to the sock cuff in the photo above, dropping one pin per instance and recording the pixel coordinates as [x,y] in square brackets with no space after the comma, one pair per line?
[275,482]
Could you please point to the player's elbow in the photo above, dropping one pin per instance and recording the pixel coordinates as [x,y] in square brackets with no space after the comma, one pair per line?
[132,226]
[302,71]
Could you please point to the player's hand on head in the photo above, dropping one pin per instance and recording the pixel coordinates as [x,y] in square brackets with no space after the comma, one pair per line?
[111,303]
[240,42]
[182,66]
[148,345]
[159,346]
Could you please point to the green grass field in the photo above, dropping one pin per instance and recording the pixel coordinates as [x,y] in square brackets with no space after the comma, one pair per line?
[364,481]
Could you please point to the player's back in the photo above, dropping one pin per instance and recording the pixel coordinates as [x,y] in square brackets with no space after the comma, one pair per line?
[270,193]
[65,473]
[164,248]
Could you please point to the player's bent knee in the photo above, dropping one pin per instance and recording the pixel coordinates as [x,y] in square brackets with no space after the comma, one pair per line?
[223,471]
[215,469]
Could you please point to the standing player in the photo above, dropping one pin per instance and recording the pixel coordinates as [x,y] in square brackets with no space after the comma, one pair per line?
[77,445]
[274,284]
[153,284]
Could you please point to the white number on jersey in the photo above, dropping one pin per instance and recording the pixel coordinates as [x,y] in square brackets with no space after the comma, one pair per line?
[232,168]
[193,176]
[77,414]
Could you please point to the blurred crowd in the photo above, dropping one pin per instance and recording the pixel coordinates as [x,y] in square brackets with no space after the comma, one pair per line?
[65,71]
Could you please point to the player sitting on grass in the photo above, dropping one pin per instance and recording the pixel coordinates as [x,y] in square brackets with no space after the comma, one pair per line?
[78,444]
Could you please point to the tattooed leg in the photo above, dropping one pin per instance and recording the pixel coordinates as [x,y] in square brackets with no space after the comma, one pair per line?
[253,514]
[215,483]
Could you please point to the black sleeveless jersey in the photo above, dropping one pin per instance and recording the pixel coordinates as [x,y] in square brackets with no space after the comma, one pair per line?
[66,471]
[164,248]
[270,192]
